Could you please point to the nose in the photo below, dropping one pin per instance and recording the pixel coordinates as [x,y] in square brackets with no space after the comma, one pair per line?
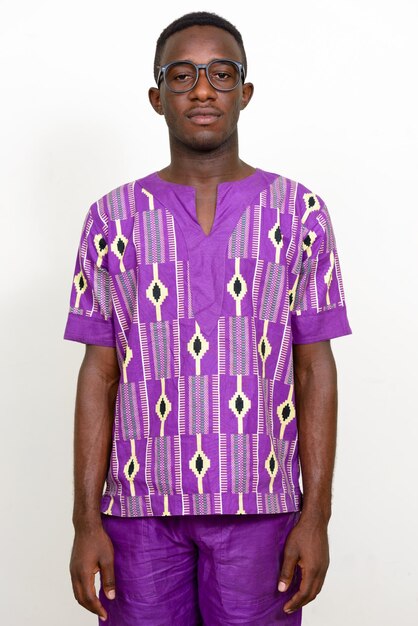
[203,89]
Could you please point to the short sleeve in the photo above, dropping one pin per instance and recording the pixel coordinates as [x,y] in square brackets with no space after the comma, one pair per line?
[318,307]
[90,319]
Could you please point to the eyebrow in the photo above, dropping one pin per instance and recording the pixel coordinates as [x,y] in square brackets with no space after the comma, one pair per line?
[196,63]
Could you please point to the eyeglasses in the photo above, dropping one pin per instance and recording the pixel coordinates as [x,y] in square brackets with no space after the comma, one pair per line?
[182,76]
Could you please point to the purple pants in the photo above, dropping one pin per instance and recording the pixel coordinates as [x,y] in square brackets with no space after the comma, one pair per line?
[210,570]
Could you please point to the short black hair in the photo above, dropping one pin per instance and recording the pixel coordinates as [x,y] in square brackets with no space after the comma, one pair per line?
[197,18]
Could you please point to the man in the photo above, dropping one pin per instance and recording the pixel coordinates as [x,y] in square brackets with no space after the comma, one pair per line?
[207,294]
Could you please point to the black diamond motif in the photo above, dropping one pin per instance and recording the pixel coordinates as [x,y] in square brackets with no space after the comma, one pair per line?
[199,463]
[120,246]
[311,202]
[81,283]
[286,412]
[237,286]
[197,346]
[272,463]
[263,348]
[239,404]
[278,235]
[163,407]
[102,244]
[156,292]
[131,468]
[290,299]
[307,241]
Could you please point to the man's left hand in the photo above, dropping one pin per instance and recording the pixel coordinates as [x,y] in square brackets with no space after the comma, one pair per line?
[306,546]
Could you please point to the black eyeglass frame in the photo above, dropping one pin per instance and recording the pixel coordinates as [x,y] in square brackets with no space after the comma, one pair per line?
[198,67]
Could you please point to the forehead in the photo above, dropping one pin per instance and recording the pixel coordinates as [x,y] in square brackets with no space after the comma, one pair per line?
[201,44]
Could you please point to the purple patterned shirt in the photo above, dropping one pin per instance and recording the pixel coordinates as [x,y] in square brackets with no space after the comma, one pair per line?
[203,325]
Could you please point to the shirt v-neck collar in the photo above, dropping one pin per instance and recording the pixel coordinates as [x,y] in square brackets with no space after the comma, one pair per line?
[207,253]
[181,201]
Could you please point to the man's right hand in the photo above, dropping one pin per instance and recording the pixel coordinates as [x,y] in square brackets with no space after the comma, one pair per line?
[92,552]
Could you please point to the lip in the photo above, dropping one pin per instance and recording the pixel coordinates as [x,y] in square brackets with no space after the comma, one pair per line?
[203,115]
[204,119]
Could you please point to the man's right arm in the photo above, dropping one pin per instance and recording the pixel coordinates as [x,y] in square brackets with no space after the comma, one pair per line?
[94,413]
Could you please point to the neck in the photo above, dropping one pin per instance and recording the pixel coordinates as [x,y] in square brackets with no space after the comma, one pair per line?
[205,168]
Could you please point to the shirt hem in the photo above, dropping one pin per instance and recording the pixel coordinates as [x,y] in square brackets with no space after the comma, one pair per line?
[155,505]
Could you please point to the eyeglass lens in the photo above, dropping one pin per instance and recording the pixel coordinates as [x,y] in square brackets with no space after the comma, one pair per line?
[223,75]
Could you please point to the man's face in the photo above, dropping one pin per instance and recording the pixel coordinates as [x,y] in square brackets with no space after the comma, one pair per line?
[201,44]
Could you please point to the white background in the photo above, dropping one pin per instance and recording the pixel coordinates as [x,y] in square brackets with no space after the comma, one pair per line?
[335,107]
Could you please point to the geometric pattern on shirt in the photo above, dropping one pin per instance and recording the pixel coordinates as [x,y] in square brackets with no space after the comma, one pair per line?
[234,393]
[125,286]
[199,464]
[198,346]
[237,287]
[119,245]
[101,247]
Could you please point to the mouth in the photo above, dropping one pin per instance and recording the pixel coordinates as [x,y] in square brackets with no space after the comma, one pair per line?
[203,116]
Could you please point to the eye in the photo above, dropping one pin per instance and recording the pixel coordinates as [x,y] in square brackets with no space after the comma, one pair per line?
[181,76]
[180,73]
[222,75]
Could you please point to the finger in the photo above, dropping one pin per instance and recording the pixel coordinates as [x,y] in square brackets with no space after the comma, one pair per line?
[85,594]
[290,560]
[107,575]
[308,590]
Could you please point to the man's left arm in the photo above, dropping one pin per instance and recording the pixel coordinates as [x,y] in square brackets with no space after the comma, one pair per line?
[316,409]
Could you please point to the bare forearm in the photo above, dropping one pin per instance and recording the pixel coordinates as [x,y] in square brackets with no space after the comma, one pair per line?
[96,393]
[316,404]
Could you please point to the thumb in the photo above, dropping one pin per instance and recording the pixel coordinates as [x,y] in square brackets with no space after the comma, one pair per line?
[288,568]
[108,578]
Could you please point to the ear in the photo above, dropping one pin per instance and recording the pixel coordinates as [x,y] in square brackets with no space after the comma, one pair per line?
[155,100]
[247,94]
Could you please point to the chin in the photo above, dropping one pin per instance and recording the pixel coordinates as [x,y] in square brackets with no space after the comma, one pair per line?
[205,141]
